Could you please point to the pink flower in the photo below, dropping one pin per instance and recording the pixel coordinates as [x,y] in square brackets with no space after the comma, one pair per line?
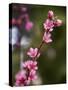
[33,52]
[47,37]
[32,75]
[20,74]
[28,25]
[48,25]
[30,65]
[25,76]
[58,22]
[17,83]
[21,79]
[50,14]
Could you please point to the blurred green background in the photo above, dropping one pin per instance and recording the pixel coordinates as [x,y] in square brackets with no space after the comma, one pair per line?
[52,62]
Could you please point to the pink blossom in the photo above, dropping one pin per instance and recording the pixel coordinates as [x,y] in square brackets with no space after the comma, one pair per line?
[32,75]
[33,52]
[25,76]
[28,25]
[21,79]
[47,37]
[20,74]
[48,25]
[17,83]
[50,14]
[58,22]
[30,65]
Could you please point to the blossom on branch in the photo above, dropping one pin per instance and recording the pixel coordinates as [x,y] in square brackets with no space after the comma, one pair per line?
[50,14]
[48,25]
[33,52]
[47,37]
[57,23]
[30,65]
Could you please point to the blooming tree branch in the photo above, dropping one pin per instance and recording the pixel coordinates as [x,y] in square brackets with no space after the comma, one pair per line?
[30,67]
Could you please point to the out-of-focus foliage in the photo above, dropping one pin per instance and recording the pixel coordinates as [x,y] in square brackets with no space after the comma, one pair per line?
[52,62]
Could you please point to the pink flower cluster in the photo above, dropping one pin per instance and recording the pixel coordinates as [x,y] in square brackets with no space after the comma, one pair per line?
[24,77]
[49,24]
[30,67]
[22,18]
[28,23]
[21,79]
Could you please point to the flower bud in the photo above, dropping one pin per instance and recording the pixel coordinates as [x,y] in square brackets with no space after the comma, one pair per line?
[58,23]
[47,37]
[50,14]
